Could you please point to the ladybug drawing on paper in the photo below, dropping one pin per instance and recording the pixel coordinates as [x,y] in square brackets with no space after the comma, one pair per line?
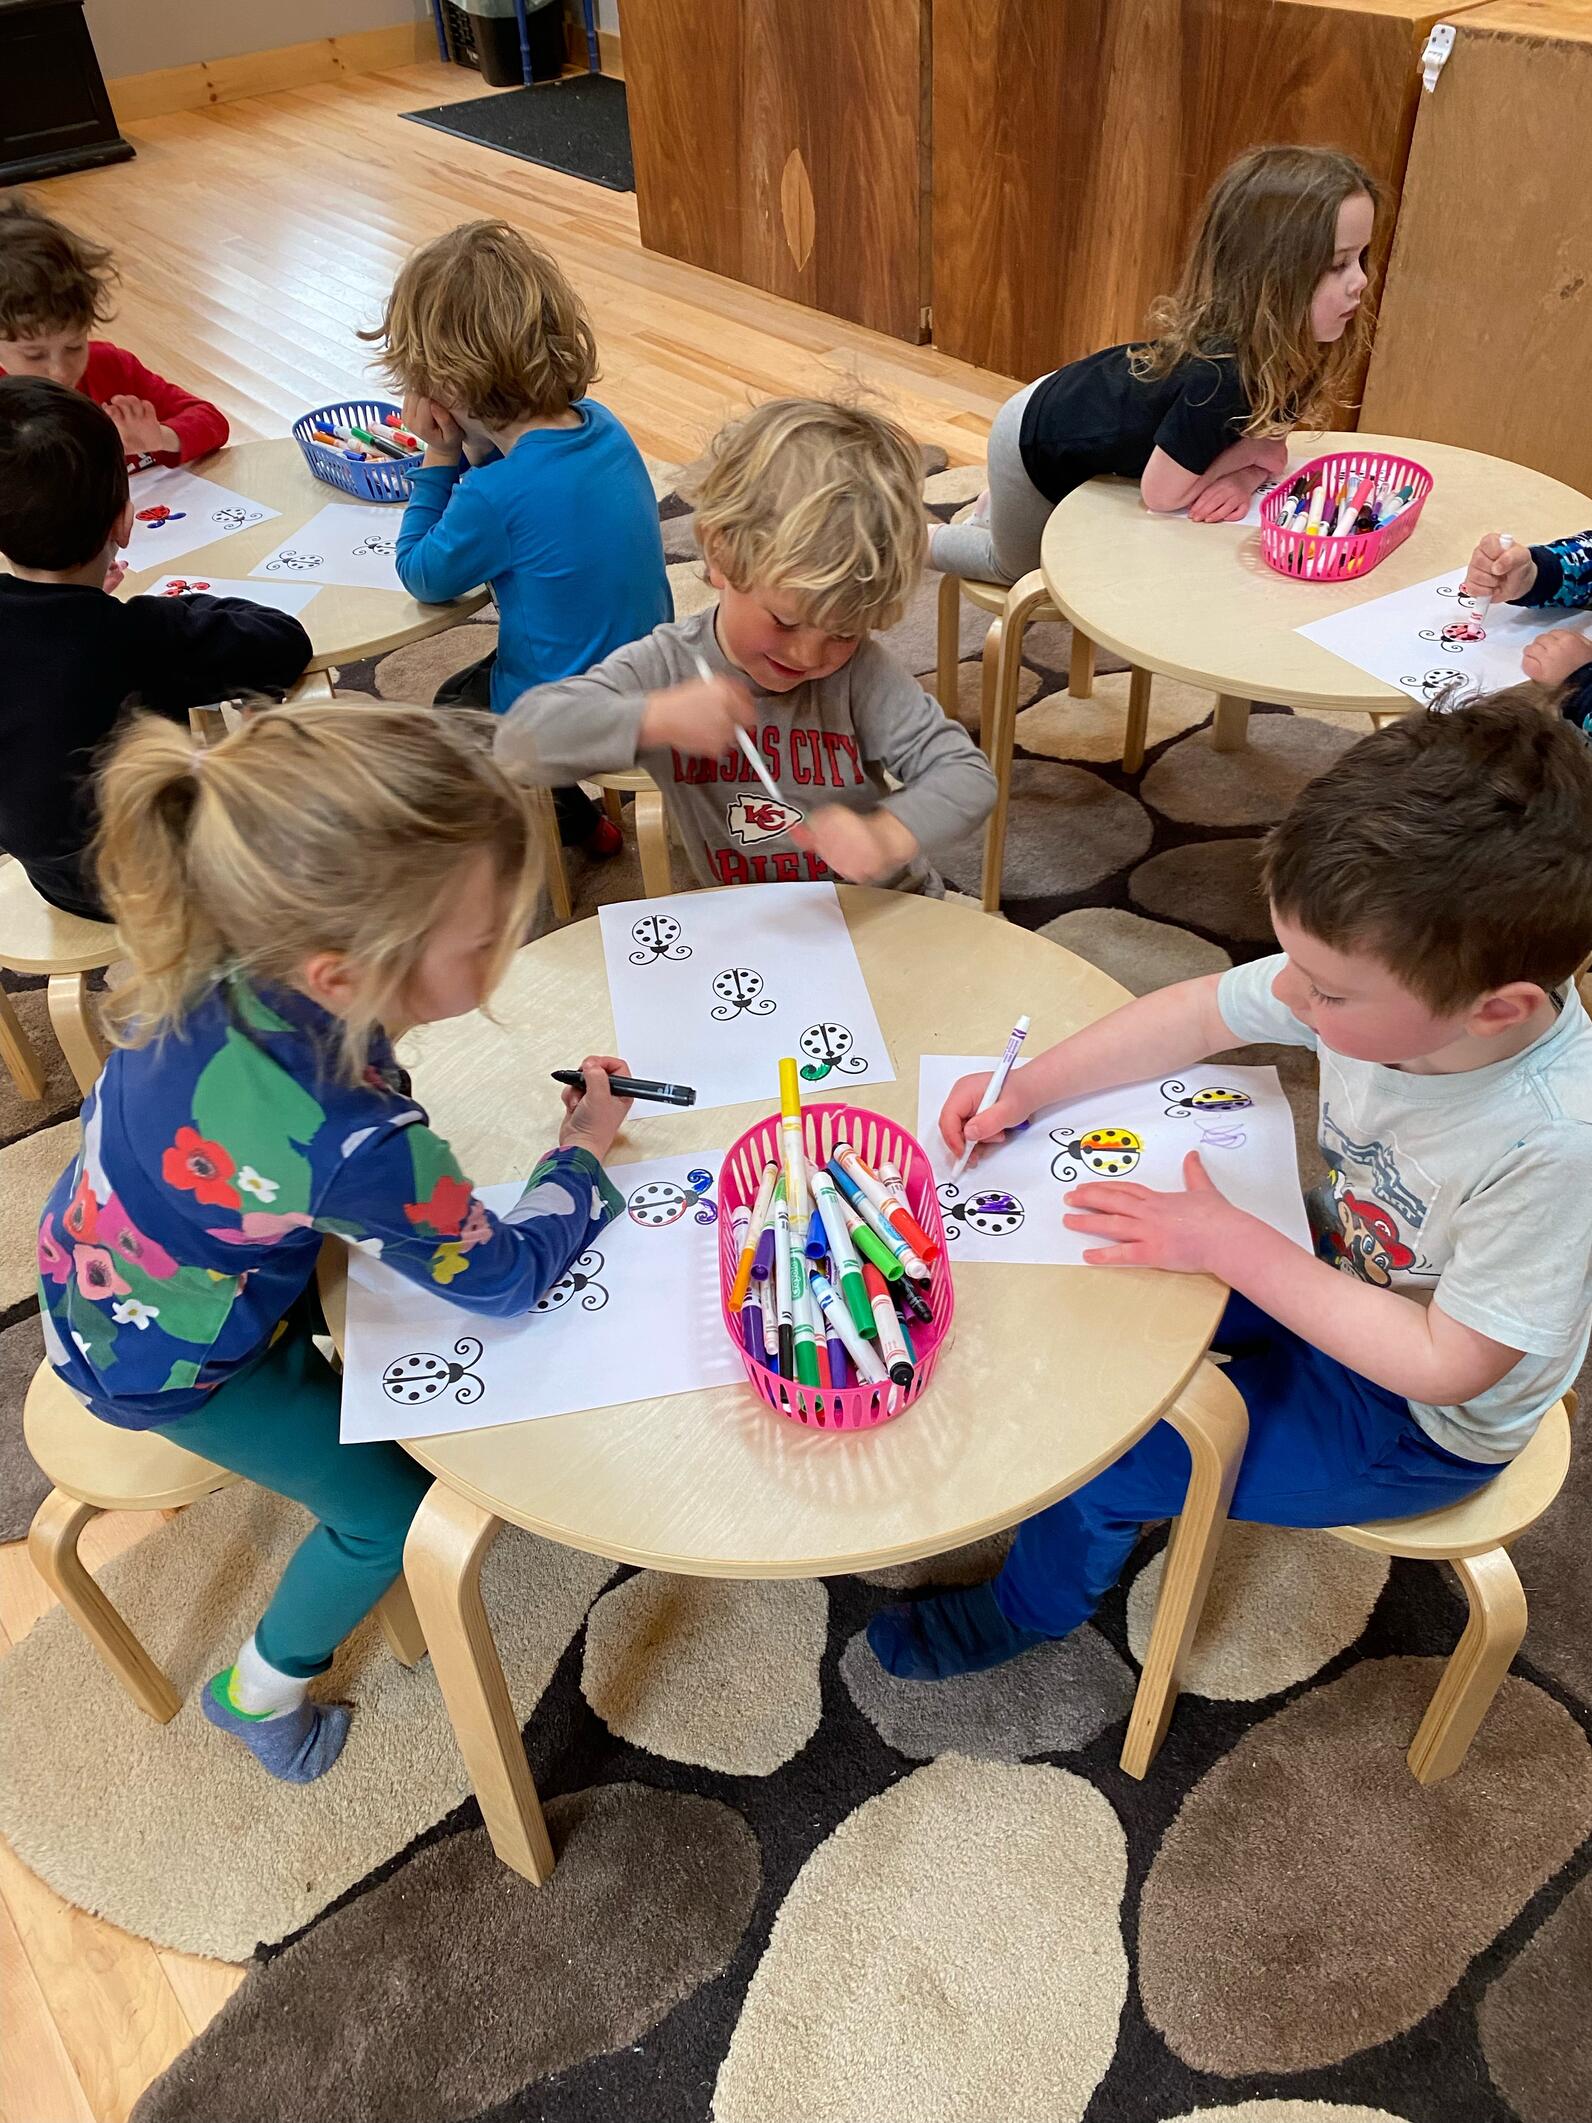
[740,990]
[829,1047]
[158,516]
[577,1282]
[1456,635]
[426,1377]
[1109,1152]
[1213,1108]
[994,1214]
[296,561]
[234,519]
[664,1201]
[178,588]
[1442,689]
[375,547]
[657,936]
[1459,594]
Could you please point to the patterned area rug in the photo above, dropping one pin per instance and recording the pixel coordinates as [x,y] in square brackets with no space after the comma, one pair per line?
[791,1888]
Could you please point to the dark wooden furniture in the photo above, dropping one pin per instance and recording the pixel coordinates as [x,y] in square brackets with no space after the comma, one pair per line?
[54,113]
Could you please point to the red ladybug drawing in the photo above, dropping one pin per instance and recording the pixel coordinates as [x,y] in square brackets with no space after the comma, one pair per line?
[159,515]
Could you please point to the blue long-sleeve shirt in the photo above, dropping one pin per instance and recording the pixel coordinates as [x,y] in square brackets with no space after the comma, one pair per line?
[215,1161]
[564,529]
[1564,577]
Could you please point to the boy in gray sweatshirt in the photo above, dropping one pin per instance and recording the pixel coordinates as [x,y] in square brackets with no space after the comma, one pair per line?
[810,520]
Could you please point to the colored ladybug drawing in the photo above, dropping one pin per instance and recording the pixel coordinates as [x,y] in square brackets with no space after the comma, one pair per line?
[664,1201]
[1213,1107]
[425,1377]
[177,587]
[1110,1152]
[994,1215]
[829,1047]
[1455,635]
[657,936]
[159,515]
[577,1282]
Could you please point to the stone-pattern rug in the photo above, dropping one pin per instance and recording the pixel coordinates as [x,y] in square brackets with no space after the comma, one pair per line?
[791,1890]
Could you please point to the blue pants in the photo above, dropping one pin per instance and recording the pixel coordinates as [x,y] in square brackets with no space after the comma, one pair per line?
[1326,1448]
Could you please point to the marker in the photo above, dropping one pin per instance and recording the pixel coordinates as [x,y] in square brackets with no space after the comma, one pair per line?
[804,1321]
[911,1299]
[891,1205]
[912,1347]
[993,1089]
[384,445]
[751,1234]
[868,1365]
[749,751]
[765,1299]
[821,1349]
[892,1349]
[740,1225]
[784,1318]
[792,1156]
[839,1362]
[763,1260]
[847,1268]
[874,1219]
[1505,543]
[1313,519]
[870,1246]
[633,1087]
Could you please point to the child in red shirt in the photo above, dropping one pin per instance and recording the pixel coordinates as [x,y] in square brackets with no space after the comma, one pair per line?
[54,287]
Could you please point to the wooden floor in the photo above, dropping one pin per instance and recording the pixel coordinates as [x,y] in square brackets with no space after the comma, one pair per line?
[255,238]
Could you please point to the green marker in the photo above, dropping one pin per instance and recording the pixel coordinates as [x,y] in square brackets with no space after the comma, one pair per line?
[802,1318]
[869,1244]
[842,1252]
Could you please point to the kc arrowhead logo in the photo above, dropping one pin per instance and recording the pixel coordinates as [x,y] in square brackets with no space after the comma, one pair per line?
[754,818]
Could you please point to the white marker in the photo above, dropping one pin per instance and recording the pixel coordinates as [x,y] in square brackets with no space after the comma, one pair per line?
[992,1090]
[754,758]
[862,1354]
[1505,541]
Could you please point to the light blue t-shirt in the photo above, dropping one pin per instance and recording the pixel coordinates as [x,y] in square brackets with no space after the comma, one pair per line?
[564,530]
[1473,1190]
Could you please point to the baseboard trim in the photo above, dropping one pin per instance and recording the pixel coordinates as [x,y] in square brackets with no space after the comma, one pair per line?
[207,81]
[609,55]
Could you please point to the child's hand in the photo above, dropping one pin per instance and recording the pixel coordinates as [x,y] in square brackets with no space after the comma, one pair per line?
[139,426]
[1184,1232]
[435,426]
[593,1117]
[115,575]
[963,1127]
[864,847]
[1226,499]
[1554,657]
[699,717]
[1497,570]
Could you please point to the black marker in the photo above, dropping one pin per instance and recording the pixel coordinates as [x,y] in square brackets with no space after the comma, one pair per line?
[633,1087]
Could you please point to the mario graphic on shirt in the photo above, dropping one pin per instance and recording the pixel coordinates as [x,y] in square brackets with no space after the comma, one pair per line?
[1366,1239]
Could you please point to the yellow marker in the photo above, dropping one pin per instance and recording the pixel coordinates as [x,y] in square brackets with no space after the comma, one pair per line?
[792,1155]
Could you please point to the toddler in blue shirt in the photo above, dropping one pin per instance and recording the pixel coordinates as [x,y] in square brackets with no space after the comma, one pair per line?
[527,485]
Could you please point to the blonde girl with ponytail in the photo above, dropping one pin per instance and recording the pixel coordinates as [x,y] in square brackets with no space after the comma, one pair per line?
[324,875]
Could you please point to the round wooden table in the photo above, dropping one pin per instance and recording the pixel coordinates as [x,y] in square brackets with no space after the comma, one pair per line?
[342,623]
[1052,1372]
[1197,601]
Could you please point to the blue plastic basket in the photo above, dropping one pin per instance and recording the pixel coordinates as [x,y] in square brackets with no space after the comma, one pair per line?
[386,481]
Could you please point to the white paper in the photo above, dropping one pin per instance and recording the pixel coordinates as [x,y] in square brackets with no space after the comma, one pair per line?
[1420,638]
[176,512]
[289,597]
[1008,1204]
[712,988]
[347,542]
[637,1316]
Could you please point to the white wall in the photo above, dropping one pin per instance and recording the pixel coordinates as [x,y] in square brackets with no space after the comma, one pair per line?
[137,36]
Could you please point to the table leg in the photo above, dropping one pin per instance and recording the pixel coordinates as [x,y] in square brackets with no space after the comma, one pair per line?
[1231,733]
[443,1555]
[1213,1422]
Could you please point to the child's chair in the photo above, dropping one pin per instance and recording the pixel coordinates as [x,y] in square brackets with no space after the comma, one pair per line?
[38,938]
[97,1467]
[652,835]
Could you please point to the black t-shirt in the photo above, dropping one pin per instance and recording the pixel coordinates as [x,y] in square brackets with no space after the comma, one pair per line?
[72,660]
[1096,416]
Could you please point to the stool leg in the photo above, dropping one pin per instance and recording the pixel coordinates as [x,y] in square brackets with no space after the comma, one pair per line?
[1493,1630]
[1138,720]
[1210,1416]
[17,1052]
[552,855]
[948,638]
[400,1625]
[52,1544]
[1080,667]
[313,686]
[71,1014]
[613,804]
[989,717]
[652,843]
[1231,733]
[447,1545]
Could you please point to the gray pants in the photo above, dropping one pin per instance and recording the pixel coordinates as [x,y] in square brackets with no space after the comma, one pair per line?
[1008,544]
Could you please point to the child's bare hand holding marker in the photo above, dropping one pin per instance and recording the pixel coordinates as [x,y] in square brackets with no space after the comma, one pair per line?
[593,1117]
[1500,568]
[698,717]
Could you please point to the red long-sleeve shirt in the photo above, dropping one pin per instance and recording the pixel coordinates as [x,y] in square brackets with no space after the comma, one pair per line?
[198,426]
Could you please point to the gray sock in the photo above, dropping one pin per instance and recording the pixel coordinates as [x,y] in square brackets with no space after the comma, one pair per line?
[297,1745]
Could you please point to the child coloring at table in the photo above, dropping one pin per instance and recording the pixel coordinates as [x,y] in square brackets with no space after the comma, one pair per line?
[1432,893]
[55,286]
[323,875]
[810,520]
[1540,575]
[528,484]
[74,655]
[1261,336]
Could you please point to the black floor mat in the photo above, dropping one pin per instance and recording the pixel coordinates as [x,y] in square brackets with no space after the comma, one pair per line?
[578,125]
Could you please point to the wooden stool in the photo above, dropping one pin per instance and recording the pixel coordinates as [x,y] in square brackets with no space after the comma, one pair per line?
[38,938]
[652,835]
[1474,1535]
[97,1467]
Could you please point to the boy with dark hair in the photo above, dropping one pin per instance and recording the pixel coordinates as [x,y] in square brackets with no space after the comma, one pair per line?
[1432,893]
[76,657]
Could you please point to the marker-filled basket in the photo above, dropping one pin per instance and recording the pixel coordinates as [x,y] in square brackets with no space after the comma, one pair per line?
[1356,553]
[876,1140]
[384,481]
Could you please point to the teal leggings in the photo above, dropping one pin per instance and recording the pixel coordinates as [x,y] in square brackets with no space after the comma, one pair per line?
[276,1423]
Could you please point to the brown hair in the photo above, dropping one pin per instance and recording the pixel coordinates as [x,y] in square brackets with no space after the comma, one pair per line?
[484,321]
[325,828]
[818,499]
[50,278]
[63,475]
[1267,234]
[1455,848]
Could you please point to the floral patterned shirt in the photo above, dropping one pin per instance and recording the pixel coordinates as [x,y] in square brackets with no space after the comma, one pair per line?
[213,1163]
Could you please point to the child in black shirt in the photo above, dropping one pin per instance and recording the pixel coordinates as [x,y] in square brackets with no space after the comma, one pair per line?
[1257,339]
[75,657]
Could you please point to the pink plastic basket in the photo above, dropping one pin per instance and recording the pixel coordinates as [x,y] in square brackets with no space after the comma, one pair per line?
[1321,559]
[874,1138]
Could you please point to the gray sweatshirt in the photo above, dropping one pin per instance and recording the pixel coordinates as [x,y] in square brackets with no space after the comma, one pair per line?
[829,741]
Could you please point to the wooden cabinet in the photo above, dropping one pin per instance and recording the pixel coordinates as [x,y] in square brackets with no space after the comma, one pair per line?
[1074,141]
[54,112]
[782,142]
[1485,334]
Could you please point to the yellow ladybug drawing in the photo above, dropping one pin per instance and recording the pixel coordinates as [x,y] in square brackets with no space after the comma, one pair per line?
[1110,1152]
